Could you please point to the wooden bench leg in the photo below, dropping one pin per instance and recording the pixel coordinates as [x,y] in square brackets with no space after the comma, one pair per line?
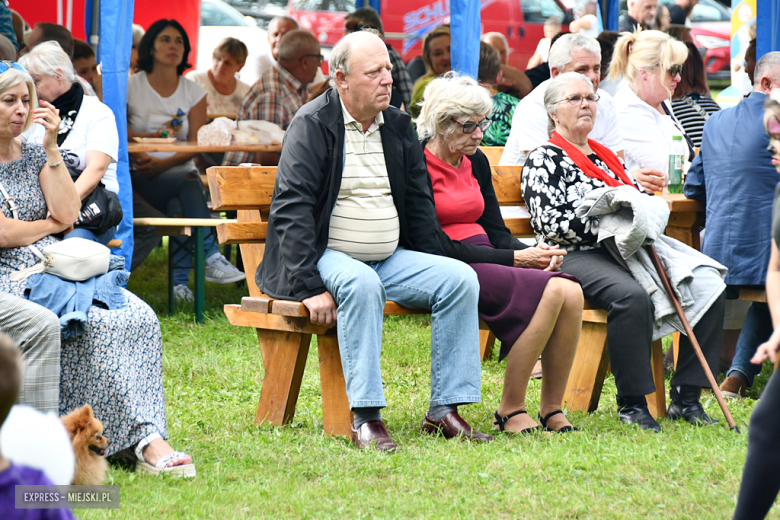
[487,341]
[656,402]
[336,416]
[284,357]
[589,369]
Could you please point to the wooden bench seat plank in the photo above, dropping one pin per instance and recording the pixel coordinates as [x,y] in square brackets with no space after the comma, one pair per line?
[753,295]
[519,227]
[242,233]
[258,320]
[181,222]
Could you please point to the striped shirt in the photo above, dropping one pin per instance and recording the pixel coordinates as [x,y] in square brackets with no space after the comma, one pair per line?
[364,223]
[275,98]
[690,118]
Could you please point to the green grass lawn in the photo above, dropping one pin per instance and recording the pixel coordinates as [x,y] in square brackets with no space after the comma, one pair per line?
[213,374]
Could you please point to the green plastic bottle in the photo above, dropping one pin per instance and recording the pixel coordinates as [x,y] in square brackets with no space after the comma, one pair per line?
[676,161]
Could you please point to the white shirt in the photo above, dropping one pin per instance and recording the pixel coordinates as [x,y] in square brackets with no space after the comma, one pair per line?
[93,130]
[258,63]
[529,126]
[148,111]
[219,103]
[647,134]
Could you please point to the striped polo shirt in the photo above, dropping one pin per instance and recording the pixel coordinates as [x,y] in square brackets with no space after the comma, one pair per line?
[364,222]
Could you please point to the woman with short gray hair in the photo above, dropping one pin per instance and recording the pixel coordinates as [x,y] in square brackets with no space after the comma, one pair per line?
[530,306]
[556,178]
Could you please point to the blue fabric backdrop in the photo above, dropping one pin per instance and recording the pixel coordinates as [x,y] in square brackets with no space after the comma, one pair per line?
[465,28]
[610,12]
[767,26]
[116,40]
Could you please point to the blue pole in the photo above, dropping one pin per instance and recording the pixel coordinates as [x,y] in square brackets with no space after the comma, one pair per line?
[376,5]
[610,13]
[767,27]
[465,28]
[116,40]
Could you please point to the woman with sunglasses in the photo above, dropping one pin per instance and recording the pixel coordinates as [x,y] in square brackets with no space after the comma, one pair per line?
[160,103]
[529,305]
[115,365]
[556,178]
[650,63]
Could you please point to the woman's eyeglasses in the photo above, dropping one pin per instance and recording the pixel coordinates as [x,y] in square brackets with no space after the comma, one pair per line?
[675,70]
[469,127]
[576,99]
[6,65]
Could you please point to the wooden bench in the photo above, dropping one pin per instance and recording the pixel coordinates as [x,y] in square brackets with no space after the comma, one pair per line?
[284,330]
[493,153]
[185,227]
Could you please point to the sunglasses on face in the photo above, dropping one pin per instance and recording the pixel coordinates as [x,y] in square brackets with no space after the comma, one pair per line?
[469,127]
[576,99]
[773,125]
[318,56]
[675,70]
[6,65]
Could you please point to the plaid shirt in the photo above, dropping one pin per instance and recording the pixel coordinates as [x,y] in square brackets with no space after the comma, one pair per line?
[402,82]
[275,98]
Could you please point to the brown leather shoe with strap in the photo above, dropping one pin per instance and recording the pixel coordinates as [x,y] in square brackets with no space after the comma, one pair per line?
[453,425]
[373,433]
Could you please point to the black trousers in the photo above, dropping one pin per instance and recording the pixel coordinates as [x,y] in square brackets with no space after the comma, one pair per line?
[761,476]
[610,286]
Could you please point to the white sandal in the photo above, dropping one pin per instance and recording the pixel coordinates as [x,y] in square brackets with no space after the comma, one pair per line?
[184,470]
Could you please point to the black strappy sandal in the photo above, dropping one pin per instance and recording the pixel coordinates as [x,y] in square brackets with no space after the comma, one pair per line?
[501,421]
[565,429]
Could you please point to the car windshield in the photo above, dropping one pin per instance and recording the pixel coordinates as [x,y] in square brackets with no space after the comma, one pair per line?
[333,6]
[258,5]
[219,13]
[538,11]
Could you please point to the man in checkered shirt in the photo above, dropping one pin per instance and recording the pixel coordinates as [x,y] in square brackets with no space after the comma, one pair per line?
[281,91]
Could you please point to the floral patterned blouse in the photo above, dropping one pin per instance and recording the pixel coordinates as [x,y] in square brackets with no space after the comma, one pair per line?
[503,110]
[553,187]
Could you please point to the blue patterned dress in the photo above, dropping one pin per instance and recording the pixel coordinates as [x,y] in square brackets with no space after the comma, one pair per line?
[116,366]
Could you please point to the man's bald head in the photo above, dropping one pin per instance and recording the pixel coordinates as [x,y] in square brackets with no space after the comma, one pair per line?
[44,32]
[499,42]
[299,53]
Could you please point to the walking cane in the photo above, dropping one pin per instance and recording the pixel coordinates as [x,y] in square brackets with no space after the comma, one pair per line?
[689,331]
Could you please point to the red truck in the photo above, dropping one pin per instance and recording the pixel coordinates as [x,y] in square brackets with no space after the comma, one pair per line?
[406,22]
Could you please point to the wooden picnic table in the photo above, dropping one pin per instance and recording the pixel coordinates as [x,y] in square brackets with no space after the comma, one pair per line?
[194,147]
[686,219]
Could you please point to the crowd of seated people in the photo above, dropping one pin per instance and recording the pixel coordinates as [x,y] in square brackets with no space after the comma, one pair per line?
[415,206]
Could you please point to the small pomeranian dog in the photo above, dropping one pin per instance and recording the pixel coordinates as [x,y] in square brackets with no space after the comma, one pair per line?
[86,433]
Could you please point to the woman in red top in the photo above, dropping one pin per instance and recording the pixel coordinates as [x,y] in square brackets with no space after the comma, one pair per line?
[529,305]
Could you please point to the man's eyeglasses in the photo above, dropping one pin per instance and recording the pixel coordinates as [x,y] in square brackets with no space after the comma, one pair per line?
[318,56]
[469,127]
[675,70]
[576,99]
[6,65]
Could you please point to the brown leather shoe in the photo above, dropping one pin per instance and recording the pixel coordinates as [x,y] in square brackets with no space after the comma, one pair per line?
[373,433]
[453,425]
[733,387]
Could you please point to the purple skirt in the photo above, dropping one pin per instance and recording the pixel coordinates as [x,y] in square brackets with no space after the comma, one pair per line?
[508,296]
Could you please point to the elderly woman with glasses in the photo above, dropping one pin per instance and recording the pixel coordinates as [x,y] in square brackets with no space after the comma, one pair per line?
[529,305]
[650,63]
[556,178]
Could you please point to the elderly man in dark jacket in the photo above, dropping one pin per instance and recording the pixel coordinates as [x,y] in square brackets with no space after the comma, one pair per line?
[352,225]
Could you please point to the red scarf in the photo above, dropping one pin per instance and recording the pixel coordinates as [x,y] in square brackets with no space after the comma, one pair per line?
[588,167]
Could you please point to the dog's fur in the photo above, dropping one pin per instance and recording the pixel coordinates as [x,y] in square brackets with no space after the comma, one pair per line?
[86,432]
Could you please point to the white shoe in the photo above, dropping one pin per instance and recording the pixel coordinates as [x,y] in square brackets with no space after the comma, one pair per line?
[222,271]
[182,293]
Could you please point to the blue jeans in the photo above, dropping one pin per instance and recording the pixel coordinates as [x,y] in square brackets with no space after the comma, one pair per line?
[104,239]
[447,287]
[187,187]
[755,331]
